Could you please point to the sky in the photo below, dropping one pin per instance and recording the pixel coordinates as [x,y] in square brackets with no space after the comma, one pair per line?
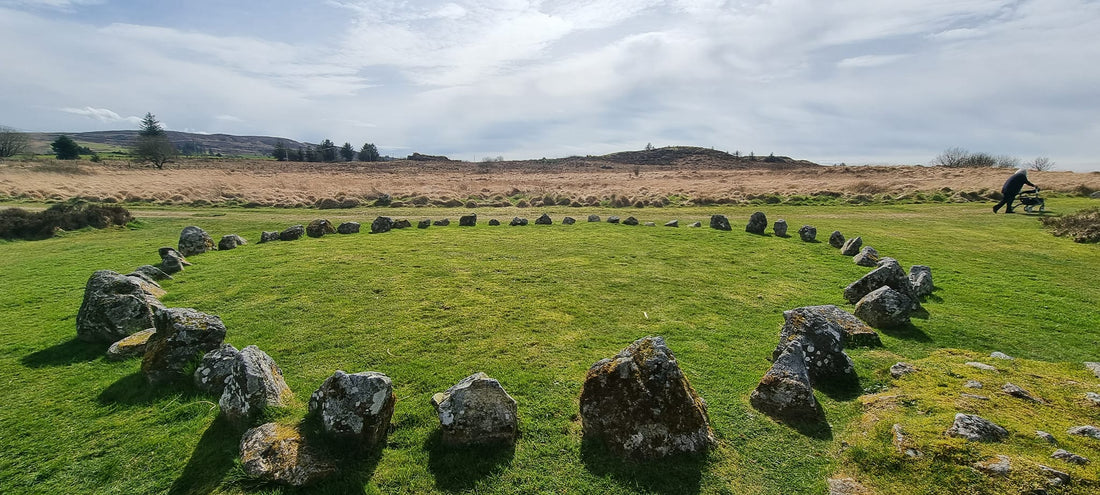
[840,81]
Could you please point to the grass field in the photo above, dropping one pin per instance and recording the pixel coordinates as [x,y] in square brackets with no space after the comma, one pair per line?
[533,307]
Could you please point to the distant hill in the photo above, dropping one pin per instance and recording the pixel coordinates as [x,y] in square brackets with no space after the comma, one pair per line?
[683,155]
[225,144]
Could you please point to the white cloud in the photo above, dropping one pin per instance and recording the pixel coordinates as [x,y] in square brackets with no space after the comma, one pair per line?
[864,61]
[101,114]
[62,5]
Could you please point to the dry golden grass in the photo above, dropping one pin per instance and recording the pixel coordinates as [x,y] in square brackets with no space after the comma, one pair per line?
[577,182]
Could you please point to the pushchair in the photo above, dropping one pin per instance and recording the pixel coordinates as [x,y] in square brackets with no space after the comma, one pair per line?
[1030,199]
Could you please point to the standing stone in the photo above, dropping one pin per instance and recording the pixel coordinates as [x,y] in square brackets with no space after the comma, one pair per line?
[780,228]
[404,223]
[889,274]
[292,233]
[172,262]
[836,239]
[758,221]
[348,228]
[280,454]
[976,429]
[518,222]
[494,222]
[822,345]
[593,218]
[266,236]
[130,346]
[442,223]
[231,241]
[853,331]
[851,246]
[467,220]
[381,224]
[674,223]
[476,411]
[194,240]
[640,404]
[785,392]
[150,286]
[612,219]
[867,256]
[355,407]
[423,224]
[884,308]
[543,220]
[319,228]
[182,335]
[920,277]
[720,222]
[255,383]
[696,225]
[630,221]
[568,221]
[114,307]
[649,224]
[151,272]
[808,233]
[214,368]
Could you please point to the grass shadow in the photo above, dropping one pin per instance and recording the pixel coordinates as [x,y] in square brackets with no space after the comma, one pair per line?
[211,460]
[69,352]
[844,390]
[133,390]
[907,332]
[678,474]
[819,430]
[460,468]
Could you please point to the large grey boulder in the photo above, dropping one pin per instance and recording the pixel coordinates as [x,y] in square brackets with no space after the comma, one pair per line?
[976,429]
[640,404]
[194,240]
[230,241]
[836,239]
[822,345]
[114,307]
[785,392]
[255,383]
[888,273]
[467,220]
[851,246]
[183,334]
[758,221]
[268,236]
[920,277]
[808,233]
[381,224]
[884,308]
[355,408]
[853,331]
[720,222]
[130,346]
[292,233]
[544,219]
[348,228]
[151,272]
[214,368]
[476,411]
[780,228]
[279,453]
[867,256]
[319,228]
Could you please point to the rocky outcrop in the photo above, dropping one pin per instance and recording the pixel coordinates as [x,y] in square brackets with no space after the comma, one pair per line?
[476,411]
[381,224]
[976,429]
[214,368]
[132,345]
[230,241]
[808,233]
[182,335]
[822,345]
[836,239]
[292,233]
[884,308]
[280,454]
[255,383]
[194,240]
[355,408]
[785,391]
[319,228]
[851,246]
[114,307]
[348,228]
[640,405]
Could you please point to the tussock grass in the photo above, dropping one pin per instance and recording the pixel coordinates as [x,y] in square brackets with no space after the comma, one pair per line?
[1081,226]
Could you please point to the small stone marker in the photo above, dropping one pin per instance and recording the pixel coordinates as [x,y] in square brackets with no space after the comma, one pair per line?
[518,222]
[292,233]
[1085,431]
[254,384]
[381,224]
[836,239]
[230,241]
[973,384]
[355,407]
[130,346]
[630,221]
[214,368]
[442,223]
[998,466]
[1019,393]
[1070,457]
[822,345]
[901,369]
[423,224]
[268,236]
[568,221]
[1044,436]
[467,220]
[279,453]
[494,222]
[780,228]
[476,411]
[851,246]
[808,233]
[674,223]
[888,273]
[593,218]
[194,240]
[921,278]
[981,366]
[404,223]
[696,225]
[884,308]
[319,228]
[785,391]
[348,228]
[976,429]
[867,256]
[758,221]
[543,219]
[720,222]
[182,335]
[612,219]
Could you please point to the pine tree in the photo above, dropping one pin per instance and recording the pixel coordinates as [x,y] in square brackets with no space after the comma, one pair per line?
[347,152]
[369,153]
[152,143]
[65,148]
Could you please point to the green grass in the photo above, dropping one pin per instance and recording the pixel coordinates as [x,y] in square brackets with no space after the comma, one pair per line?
[533,307]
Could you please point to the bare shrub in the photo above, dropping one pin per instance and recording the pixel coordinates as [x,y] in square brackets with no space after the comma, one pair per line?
[951,157]
[867,187]
[1041,164]
[1007,161]
[16,223]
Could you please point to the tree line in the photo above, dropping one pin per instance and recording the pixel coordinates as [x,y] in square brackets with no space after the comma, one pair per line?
[327,151]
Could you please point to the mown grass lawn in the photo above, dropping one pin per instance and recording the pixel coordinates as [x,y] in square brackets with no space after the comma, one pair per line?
[533,307]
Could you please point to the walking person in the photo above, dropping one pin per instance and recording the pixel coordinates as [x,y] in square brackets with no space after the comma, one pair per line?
[1012,188]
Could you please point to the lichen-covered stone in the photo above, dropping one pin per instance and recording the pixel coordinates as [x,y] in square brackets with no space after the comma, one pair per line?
[884,308]
[568,221]
[292,233]
[981,366]
[867,256]
[255,383]
[720,222]
[920,277]
[1019,393]
[836,239]
[279,453]
[476,411]
[758,221]
[183,334]
[1070,457]
[518,222]
[114,307]
[467,220]
[151,272]
[785,391]
[1085,431]
[640,404]
[851,246]
[808,233]
[381,224]
[822,345]
[130,346]
[543,219]
[999,465]
[231,241]
[888,273]
[976,429]
[853,331]
[348,228]
[355,407]
[1093,367]
[150,286]
[268,236]
[780,228]
[194,240]
[319,228]
[900,369]
[214,368]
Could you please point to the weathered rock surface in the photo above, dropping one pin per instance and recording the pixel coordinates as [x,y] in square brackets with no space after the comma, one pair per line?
[720,222]
[920,277]
[846,486]
[494,222]
[808,233]
[543,219]
[355,407]
[822,345]
[903,445]
[696,225]
[130,346]
[1093,397]
[320,227]
[268,236]
[231,241]
[194,240]
[640,404]
[593,218]
[423,224]
[1000,465]
[403,223]
[348,228]
[853,331]
[381,224]
[649,224]
[981,366]
[292,233]
[476,411]
[467,220]
[780,228]
[613,219]
[976,429]
[279,453]
[851,246]
[1093,367]
[182,335]
[884,308]
[785,391]
[568,221]
[673,223]
[255,383]
[1055,478]
[901,369]
[151,272]
[836,239]
[518,222]
[150,286]
[867,256]
[630,221]
[1000,355]
[1019,393]
[1070,457]
[758,221]
[1046,437]
[1085,431]
[172,262]
[114,307]
[442,223]
[214,368]
[888,273]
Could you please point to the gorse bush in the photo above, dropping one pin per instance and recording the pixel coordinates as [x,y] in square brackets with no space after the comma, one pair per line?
[1082,226]
[16,223]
